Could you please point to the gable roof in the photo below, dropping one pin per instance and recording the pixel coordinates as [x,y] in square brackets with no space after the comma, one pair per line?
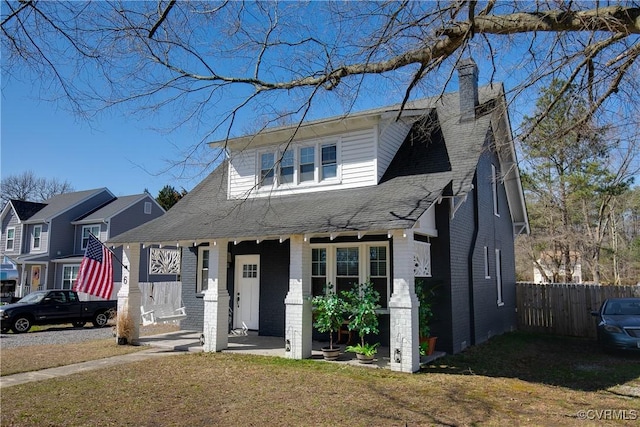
[63,202]
[113,208]
[25,210]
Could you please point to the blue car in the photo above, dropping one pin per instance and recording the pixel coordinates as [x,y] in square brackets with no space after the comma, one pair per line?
[619,324]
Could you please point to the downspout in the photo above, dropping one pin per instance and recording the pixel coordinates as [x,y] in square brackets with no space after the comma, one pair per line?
[472,247]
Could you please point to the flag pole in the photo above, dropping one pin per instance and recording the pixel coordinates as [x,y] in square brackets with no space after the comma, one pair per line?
[113,255]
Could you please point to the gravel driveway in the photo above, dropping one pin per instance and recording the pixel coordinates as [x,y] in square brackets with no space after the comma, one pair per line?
[64,334]
[55,335]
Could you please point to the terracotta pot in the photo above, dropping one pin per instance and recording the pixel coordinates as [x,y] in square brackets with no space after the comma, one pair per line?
[330,354]
[432,344]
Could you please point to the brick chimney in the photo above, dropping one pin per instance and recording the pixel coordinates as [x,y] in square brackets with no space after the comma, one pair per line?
[468,88]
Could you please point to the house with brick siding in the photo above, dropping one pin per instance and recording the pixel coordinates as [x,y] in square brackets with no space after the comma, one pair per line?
[428,190]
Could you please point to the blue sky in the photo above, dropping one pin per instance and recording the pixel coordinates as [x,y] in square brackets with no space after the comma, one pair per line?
[114,151]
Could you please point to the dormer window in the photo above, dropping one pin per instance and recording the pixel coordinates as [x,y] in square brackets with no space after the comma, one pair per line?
[286,168]
[298,165]
[307,164]
[267,164]
[329,161]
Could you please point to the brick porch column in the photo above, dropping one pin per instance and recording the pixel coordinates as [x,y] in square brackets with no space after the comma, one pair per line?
[129,295]
[403,307]
[298,319]
[216,300]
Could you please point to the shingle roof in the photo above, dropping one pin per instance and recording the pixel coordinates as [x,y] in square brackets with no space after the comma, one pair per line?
[25,210]
[397,202]
[61,202]
[110,209]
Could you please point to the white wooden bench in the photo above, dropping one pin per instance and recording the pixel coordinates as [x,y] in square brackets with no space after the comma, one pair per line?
[162,313]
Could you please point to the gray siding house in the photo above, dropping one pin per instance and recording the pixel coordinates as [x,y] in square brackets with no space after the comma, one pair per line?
[47,240]
[431,190]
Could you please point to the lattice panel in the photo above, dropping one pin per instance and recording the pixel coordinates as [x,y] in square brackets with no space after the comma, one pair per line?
[422,259]
[164,261]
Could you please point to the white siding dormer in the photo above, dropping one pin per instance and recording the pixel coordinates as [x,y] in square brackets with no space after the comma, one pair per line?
[320,164]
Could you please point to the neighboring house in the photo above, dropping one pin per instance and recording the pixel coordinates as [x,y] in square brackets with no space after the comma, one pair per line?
[550,268]
[431,190]
[47,240]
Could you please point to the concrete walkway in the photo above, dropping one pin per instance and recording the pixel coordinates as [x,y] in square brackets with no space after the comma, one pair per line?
[177,342]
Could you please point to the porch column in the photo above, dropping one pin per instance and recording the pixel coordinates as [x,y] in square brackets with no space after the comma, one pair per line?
[298,320]
[403,307]
[129,295]
[216,300]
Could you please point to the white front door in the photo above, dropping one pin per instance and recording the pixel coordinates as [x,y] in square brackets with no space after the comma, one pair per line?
[247,292]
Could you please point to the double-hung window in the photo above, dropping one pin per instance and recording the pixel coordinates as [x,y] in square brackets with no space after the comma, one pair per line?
[267,169]
[329,161]
[202,283]
[36,237]
[88,230]
[286,168]
[11,238]
[307,164]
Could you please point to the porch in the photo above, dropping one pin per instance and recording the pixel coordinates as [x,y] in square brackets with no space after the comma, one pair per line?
[252,343]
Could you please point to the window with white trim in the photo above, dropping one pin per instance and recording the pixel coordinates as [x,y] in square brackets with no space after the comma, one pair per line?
[487,271]
[329,162]
[500,301]
[298,165]
[88,230]
[494,188]
[202,282]
[318,270]
[69,276]
[36,237]
[286,169]
[147,208]
[11,239]
[348,264]
[307,166]
[267,169]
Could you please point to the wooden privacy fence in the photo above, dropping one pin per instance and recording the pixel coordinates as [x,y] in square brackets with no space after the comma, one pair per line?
[564,309]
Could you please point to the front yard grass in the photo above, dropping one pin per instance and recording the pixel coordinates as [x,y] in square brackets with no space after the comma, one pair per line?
[517,379]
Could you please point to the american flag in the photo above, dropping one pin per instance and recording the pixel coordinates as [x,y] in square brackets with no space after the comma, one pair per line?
[95,276]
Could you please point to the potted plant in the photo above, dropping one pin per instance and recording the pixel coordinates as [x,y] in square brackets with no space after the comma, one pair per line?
[362,302]
[425,295]
[329,312]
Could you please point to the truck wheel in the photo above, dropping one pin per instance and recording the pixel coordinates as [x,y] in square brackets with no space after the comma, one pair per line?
[21,324]
[100,320]
[78,324]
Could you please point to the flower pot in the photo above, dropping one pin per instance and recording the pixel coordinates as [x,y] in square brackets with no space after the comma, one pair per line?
[122,340]
[330,354]
[432,344]
[364,359]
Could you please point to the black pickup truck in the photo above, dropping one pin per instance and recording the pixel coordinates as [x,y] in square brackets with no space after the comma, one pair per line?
[54,307]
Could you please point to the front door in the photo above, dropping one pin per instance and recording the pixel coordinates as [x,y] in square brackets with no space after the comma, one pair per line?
[247,289]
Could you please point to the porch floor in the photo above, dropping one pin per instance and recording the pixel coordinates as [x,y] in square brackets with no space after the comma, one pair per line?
[252,343]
